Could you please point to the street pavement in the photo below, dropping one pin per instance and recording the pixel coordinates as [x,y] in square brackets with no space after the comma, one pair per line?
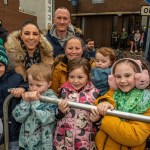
[2,147]
[139,56]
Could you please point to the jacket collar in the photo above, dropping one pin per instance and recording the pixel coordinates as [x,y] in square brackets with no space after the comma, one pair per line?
[88,86]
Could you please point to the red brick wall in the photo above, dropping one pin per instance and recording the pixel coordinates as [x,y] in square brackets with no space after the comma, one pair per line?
[11,18]
[100,27]
[86,6]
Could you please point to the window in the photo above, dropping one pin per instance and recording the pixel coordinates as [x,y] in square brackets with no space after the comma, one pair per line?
[133,22]
[49,9]
[49,17]
[97,1]
[5,2]
[115,20]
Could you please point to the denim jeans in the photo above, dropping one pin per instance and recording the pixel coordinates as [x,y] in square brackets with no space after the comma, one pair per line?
[14,145]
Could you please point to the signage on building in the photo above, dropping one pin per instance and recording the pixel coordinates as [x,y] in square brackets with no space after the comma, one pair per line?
[26,11]
[74,2]
[97,1]
[145,10]
[147,1]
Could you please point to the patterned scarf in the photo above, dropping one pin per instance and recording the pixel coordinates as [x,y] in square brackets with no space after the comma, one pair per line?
[136,101]
[31,60]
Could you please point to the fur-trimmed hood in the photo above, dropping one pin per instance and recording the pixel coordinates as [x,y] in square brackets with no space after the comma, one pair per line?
[17,55]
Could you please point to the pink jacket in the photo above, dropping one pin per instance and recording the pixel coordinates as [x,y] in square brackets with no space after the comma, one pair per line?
[75,131]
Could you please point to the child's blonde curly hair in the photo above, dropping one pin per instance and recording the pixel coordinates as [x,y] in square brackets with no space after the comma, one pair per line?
[107,51]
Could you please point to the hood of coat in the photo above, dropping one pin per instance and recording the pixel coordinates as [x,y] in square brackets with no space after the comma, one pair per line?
[15,51]
[61,67]
[88,86]
[58,59]
[7,74]
[71,31]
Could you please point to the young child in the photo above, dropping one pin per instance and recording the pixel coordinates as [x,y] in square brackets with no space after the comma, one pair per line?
[104,59]
[75,129]
[116,133]
[37,118]
[8,80]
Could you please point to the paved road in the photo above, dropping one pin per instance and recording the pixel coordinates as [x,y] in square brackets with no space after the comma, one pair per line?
[135,56]
[1,147]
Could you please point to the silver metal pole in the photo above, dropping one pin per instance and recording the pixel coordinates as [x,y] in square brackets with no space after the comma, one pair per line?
[87,107]
[147,41]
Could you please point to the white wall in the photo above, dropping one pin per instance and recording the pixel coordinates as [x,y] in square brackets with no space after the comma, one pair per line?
[40,7]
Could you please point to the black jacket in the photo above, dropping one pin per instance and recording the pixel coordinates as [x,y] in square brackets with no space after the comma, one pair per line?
[10,79]
[57,48]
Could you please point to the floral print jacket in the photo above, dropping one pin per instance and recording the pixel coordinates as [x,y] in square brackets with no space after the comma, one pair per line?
[38,123]
[75,131]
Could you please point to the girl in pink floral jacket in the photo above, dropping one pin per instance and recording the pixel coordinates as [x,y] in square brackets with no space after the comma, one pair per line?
[75,129]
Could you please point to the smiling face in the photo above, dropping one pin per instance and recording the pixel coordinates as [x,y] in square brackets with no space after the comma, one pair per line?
[125,77]
[62,20]
[74,49]
[30,36]
[78,78]
[102,61]
[38,85]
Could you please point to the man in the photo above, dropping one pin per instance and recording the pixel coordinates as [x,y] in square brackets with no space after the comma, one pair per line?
[90,50]
[61,30]
[123,38]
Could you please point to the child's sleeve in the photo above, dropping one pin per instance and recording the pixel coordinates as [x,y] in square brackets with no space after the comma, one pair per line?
[56,78]
[24,85]
[62,94]
[21,111]
[45,112]
[20,82]
[98,75]
[129,133]
[106,97]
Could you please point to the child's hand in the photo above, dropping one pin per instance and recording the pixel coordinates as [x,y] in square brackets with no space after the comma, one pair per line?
[31,96]
[102,107]
[17,92]
[94,115]
[63,106]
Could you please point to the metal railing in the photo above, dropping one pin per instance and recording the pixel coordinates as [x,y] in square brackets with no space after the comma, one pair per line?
[6,121]
[87,107]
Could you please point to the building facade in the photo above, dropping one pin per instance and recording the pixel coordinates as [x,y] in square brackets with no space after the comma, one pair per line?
[12,17]
[99,18]
[43,10]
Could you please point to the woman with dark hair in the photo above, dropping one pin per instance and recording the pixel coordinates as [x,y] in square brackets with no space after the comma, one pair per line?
[28,46]
[73,49]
